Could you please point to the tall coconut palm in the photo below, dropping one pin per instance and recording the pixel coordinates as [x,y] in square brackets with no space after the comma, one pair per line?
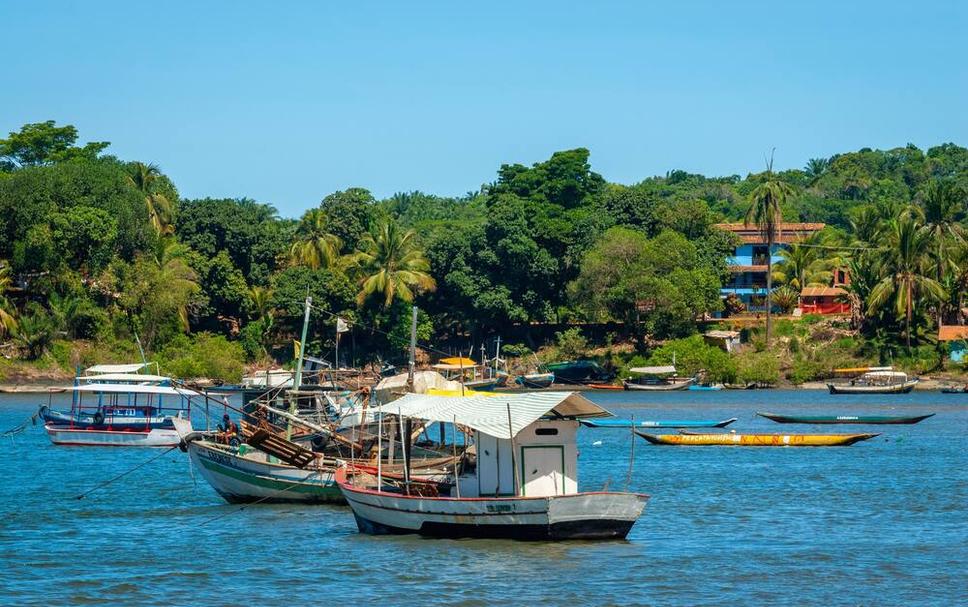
[908,248]
[802,264]
[390,265]
[146,178]
[8,322]
[315,246]
[942,207]
[766,212]
[171,258]
[815,168]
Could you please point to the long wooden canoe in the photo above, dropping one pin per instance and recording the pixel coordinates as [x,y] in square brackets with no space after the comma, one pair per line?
[756,440]
[844,419]
[627,423]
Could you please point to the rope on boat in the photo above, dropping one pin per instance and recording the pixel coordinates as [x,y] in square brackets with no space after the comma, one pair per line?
[125,473]
[258,501]
[32,419]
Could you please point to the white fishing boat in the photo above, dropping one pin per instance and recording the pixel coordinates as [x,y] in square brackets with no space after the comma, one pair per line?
[522,484]
[119,414]
[873,380]
[657,379]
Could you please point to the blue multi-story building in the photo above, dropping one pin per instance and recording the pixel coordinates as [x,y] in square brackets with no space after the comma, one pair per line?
[747,264]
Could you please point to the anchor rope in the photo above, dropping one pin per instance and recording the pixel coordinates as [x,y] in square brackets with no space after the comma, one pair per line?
[125,473]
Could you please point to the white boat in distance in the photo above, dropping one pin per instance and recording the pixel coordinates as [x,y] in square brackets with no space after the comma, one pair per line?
[873,380]
[657,379]
[524,484]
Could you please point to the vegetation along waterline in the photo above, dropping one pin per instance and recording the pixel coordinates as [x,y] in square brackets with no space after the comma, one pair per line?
[95,250]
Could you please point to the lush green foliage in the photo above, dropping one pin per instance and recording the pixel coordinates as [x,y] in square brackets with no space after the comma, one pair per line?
[96,248]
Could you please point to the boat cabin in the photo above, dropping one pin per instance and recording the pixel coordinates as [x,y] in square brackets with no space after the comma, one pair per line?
[519,444]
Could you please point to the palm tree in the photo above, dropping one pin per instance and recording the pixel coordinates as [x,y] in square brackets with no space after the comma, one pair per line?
[8,323]
[390,265]
[263,315]
[146,178]
[766,211]
[64,311]
[943,206]
[171,257]
[315,246]
[908,245]
[815,168]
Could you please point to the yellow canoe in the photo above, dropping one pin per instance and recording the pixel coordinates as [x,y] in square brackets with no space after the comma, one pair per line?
[757,440]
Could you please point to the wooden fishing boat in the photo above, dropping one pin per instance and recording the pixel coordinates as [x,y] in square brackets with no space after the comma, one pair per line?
[657,379]
[535,380]
[756,440]
[873,380]
[605,387]
[844,419]
[627,423]
[955,390]
[523,485]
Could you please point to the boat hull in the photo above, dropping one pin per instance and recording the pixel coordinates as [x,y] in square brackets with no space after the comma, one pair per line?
[757,440]
[536,380]
[902,388]
[658,387]
[627,423]
[583,516]
[239,479]
[845,419]
[155,437]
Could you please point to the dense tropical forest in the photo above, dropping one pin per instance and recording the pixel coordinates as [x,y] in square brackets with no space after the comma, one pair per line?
[95,250]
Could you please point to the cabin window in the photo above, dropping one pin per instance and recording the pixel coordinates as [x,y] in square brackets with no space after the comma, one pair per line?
[546,431]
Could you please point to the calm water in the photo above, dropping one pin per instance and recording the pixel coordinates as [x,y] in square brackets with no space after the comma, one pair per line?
[881,522]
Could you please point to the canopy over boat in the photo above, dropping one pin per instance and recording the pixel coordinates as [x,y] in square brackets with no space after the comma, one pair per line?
[859,370]
[660,370]
[489,415]
[390,387]
[130,377]
[126,368]
[132,389]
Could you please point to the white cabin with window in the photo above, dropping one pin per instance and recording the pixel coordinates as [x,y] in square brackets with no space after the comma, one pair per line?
[545,458]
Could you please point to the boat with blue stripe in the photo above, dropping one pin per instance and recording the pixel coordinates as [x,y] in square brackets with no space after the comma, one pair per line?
[628,423]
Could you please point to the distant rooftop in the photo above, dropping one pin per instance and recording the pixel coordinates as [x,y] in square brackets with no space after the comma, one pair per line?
[822,292]
[787,233]
[952,332]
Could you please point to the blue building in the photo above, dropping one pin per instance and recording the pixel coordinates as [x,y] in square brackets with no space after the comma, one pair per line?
[747,264]
[956,338]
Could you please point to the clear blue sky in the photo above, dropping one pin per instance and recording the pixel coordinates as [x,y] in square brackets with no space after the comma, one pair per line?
[285,102]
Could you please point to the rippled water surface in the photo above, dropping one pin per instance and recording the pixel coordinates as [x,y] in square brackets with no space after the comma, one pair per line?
[881,522]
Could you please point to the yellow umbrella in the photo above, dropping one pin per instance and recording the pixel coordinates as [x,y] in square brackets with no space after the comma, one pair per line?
[458,361]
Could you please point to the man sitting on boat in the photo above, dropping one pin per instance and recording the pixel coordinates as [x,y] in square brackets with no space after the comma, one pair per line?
[227,430]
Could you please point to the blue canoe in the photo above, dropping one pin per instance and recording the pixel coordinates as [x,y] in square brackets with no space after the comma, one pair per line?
[627,423]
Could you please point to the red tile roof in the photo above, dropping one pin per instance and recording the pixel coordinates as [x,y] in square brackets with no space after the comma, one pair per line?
[952,332]
[787,232]
[821,292]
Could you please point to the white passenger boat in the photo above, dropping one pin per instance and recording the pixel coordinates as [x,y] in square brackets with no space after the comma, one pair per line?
[119,414]
[522,485]
[873,380]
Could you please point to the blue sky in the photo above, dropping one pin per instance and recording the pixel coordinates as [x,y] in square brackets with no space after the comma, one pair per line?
[286,102]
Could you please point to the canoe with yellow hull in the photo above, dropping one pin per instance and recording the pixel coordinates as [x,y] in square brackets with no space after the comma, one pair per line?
[757,440]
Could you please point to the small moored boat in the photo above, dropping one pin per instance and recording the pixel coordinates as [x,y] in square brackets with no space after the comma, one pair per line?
[535,380]
[844,419]
[523,483]
[657,379]
[756,440]
[627,423]
[872,380]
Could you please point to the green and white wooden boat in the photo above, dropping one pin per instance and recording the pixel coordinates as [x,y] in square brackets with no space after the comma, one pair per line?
[845,419]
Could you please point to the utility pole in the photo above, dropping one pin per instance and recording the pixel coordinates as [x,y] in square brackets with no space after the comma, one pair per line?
[413,348]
